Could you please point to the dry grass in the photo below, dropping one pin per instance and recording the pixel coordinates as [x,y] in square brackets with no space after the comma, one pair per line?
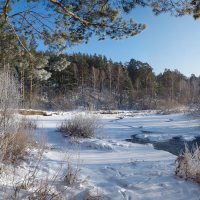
[39,184]
[188,164]
[33,112]
[80,126]
[72,174]
[15,145]
[33,184]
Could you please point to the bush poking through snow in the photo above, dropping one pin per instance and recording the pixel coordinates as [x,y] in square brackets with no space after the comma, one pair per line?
[34,184]
[188,164]
[71,176]
[80,126]
[93,196]
[15,145]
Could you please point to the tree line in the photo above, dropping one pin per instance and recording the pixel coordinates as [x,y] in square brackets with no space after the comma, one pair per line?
[60,81]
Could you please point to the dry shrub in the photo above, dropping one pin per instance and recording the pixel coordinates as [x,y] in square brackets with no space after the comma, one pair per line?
[93,196]
[80,126]
[33,184]
[15,145]
[45,192]
[27,124]
[39,189]
[39,184]
[15,135]
[188,164]
[71,176]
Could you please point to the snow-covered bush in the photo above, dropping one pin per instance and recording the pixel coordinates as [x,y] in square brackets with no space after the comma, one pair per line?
[80,126]
[188,164]
[42,74]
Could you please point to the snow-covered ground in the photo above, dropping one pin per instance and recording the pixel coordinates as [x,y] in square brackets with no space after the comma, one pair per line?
[115,168]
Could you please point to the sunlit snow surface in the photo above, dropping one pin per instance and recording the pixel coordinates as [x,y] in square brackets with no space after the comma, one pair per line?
[119,169]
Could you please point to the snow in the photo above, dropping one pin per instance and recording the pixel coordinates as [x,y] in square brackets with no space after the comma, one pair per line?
[118,169]
[163,127]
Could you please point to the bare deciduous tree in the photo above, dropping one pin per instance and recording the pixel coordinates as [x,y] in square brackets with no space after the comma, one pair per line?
[9,101]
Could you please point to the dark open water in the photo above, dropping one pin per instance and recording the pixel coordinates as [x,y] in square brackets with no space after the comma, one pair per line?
[176,145]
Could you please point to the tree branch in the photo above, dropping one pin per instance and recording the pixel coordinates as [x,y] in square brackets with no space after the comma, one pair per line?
[5,10]
[31,25]
[18,38]
[71,14]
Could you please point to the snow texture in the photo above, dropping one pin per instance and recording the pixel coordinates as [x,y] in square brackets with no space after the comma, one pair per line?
[118,169]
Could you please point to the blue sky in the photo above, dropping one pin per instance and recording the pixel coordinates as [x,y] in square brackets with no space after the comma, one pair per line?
[168,42]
